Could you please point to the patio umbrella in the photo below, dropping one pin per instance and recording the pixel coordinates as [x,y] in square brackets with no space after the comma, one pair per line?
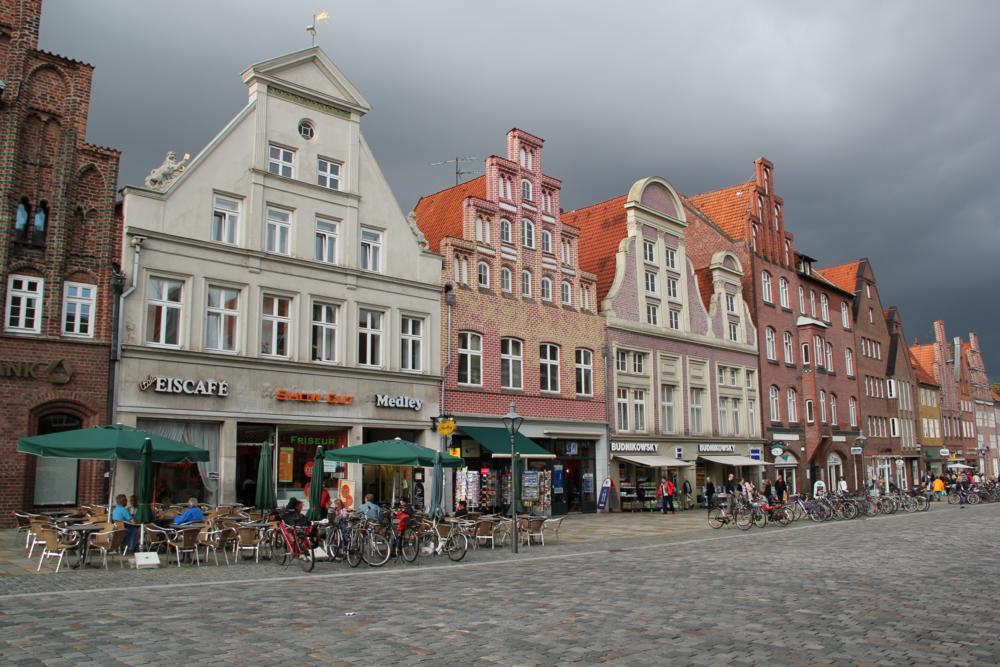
[960,466]
[392,453]
[436,511]
[265,498]
[144,490]
[316,488]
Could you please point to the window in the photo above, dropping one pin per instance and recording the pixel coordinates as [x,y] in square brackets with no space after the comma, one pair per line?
[546,241]
[789,349]
[566,252]
[79,303]
[793,405]
[721,374]
[546,289]
[326,241]
[788,253]
[833,410]
[829,357]
[525,283]
[483,274]
[280,161]
[672,288]
[675,319]
[824,306]
[671,257]
[650,282]
[511,363]
[411,336]
[506,280]
[852,408]
[163,310]
[638,363]
[734,332]
[639,409]
[812,303]
[371,250]
[845,318]
[805,354]
[369,337]
[470,358]
[225,220]
[652,314]
[765,287]
[802,300]
[783,292]
[548,361]
[306,130]
[774,404]
[891,389]
[753,237]
[276,318]
[751,377]
[527,233]
[871,316]
[482,230]
[324,332]
[697,425]
[279,227]
[822,406]
[222,318]
[849,362]
[730,303]
[328,174]
[567,294]
[621,361]
[772,355]
[21,221]
[723,415]
[649,252]
[667,408]
[584,372]
[818,350]
[621,407]
[505,231]
[526,190]
[584,298]
[751,417]
[810,412]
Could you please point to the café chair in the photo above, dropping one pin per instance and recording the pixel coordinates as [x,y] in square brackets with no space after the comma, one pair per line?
[54,545]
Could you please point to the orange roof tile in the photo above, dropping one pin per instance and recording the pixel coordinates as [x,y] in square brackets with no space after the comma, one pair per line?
[844,276]
[602,227]
[705,285]
[996,396]
[440,214]
[727,207]
[922,357]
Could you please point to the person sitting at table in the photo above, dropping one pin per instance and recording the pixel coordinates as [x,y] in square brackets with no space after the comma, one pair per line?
[121,513]
[133,504]
[461,509]
[292,514]
[369,508]
[192,514]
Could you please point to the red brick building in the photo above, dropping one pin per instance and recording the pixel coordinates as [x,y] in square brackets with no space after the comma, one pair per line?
[987,440]
[808,374]
[60,240]
[523,327]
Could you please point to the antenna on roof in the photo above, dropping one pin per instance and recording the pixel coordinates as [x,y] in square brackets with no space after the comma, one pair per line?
[457,161]
[318,17]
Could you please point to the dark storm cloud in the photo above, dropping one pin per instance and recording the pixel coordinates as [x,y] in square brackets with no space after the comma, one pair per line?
[880,117]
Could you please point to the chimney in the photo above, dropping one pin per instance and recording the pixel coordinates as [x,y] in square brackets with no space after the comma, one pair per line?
[974,341]
[958,358]
[939,335]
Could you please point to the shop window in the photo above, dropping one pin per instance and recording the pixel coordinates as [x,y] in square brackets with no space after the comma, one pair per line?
[55,478]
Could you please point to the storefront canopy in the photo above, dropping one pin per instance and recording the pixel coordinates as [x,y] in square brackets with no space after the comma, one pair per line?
[108,443]
[654,461]
[734,460]
[391,453]
[497,440]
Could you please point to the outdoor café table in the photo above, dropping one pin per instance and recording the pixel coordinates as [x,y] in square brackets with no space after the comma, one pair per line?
[83,546]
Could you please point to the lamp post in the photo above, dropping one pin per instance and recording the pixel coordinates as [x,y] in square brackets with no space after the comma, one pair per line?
[859,442]
[512,422]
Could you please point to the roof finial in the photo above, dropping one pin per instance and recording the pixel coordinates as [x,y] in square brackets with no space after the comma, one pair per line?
[318,17]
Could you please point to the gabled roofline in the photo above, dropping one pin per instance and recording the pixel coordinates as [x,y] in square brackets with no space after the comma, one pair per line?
[262,70]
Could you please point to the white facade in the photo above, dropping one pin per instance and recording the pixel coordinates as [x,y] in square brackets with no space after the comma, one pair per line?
[280,263]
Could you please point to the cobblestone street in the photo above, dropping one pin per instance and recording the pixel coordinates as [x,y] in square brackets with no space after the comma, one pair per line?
[877,591]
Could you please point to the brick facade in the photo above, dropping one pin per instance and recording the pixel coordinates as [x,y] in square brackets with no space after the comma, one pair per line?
[60,227]
[987,435]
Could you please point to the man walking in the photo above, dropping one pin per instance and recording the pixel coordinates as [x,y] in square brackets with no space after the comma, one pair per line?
[668,498]
[688,501]
[781,489]
[709,493]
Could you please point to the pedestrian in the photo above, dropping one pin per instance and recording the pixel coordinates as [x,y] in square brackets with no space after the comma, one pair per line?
[709,493]
[842,485]
[688,500]
[938,487]
[963,491]
[781,489]
[731,484]
[668,498]
[661,495]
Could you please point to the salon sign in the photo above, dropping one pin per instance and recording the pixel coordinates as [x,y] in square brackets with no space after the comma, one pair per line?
[170,385]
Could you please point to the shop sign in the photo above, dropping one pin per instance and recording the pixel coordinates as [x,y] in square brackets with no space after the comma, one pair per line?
[602,499]
[716,449]
[307,397]
[324,441]
[168,385]
[558,478]
[944,451]
[644,447]
[588,482]
[777,450]
[529,485]
[445,426]
[401,401]
[755,454]
[470,450]
[59,371]
[286,459]
[857,450]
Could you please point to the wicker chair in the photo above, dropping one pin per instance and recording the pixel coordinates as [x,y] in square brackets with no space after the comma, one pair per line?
[484,531]
[24,525]
[155,538]
[35,527]
[248,539]
[216,540]
[185,541]
[109,542]
[552,525]
[54,545]
[533,529]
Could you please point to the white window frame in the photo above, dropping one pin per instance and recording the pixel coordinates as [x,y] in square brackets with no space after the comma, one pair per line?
[845,317]
[802,300]
[649,252]
[638,363]
[327,241]
[783,292]
[584,371]
[765,287]
[328,173]
[271,325]
[650,282]
[849,362]
[652,314]
[822,406]
[852,405]
[221,314]
[792,405]
[639,410]
[470,359]
[667,408]
[546,288]
[278,232]
[566,293]
[548,368]
[770,344]
[506,235]
[824,307]
[483,274]
[371,337]
[526,279]
[371,250]
[621,361]
[621,409]
[734,332]
[670,257]
[697,415]
[527,190]
[546,242]
[512,361]
[411,344]
[280,160]
[164,306]
[671,288]
[506,280]
[77,303]
[730,303]
[225,220]
[527,233]
[774,403]
[674,318]
[322,330]
[789,347]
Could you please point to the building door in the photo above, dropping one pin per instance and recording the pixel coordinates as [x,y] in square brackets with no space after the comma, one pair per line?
[834,471]
[55,478]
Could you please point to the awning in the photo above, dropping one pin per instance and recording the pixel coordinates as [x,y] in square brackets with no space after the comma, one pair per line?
[497,441]
[654,461]
[735,460]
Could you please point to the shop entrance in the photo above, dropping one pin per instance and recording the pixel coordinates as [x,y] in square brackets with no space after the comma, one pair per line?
[55,478]
[572,476]
[390,483]
[250,439]
[834,471]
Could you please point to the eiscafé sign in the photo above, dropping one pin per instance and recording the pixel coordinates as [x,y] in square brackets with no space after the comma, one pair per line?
[168,385]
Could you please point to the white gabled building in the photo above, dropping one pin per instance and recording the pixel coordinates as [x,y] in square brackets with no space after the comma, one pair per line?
[276,290]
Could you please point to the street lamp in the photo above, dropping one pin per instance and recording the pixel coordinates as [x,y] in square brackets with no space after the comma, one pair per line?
[512,422]
[859,442]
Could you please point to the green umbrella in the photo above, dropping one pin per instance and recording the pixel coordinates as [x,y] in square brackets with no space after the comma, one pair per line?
[144,490]
[109,443]
[265,499]
[393,453]
[515,486]
[315,513]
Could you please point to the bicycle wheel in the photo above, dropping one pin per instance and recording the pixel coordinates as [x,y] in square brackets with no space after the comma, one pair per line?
[409,545]
[457,546]
[850,511]
[952,498]
[744,519]
[974,499]
[798,512]
[355,544]
[785,516]
[334,547]
[377,551]
[307,557]
[871,507]
[280,553]
[430,542]
[716,518]
[760,518]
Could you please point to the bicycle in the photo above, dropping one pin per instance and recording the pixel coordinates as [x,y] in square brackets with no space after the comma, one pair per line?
[405,543]
[293,542]
[454,542]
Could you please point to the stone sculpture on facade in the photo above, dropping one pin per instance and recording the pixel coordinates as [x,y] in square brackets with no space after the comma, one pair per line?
[163,176]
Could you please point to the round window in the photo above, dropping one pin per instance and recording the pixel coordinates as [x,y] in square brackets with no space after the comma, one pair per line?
[306,129]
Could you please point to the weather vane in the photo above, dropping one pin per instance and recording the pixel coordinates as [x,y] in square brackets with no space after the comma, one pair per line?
[319,17]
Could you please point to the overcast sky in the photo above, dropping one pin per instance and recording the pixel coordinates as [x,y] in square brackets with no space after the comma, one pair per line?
[880,117]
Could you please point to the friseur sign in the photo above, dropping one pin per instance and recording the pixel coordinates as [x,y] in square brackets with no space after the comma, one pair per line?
[58,371]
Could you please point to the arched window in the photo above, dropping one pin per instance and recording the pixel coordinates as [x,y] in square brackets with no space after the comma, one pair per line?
[845,318]
[824,307]
[829,357]
[775,404]
[769,343]
[527,233]
[40,224]
[523,161]
[789,349]
[506,280]
[483,274]
[21,221]
[849,362]
[546,241]
[793,405]
[783,292]
[788,253]
[753,239]
[526,193]
[852,406]
[777,212]
[567,293]
[805,354]
[525,283]
[822,406]
[546,289]
[802,300]
[765,287]
[505,234]
[833,409]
